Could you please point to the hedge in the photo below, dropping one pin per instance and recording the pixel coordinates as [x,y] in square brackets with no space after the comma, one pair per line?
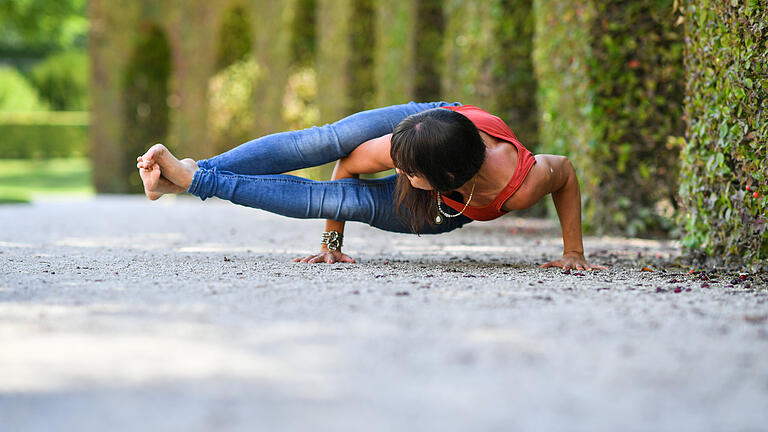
[43,135]
[610,95]
[724,176]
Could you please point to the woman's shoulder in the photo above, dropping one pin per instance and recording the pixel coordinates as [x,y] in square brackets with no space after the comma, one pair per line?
[483,119]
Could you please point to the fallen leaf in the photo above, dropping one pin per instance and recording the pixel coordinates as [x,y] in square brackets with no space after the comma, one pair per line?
[755,319]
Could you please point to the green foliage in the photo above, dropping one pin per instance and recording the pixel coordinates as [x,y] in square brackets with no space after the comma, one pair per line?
[724,159]
[145,101]
[235,37]
[610,93]
[303,33]
[43,135]
[231,109]
[17,94]
[62,80]
[42,24]
[300,102]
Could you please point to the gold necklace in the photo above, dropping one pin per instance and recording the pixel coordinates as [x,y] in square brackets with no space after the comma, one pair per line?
[439,219]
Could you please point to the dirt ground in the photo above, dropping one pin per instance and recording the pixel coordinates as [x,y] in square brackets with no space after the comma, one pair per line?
[121,314]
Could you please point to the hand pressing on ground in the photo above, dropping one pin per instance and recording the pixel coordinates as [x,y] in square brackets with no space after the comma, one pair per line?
[573,260]
[328,257]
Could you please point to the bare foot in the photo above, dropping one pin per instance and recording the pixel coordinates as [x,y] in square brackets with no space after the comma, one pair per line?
[177,172]
[155,185]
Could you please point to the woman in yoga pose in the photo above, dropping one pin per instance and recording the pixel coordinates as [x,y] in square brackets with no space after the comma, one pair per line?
[455,163]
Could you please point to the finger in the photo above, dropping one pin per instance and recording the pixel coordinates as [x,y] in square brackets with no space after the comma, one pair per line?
[347,259]
[579,267]
[316,259]
[330,259]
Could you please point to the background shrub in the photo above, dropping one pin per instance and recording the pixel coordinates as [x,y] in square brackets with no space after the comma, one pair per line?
[62,80]
[724,170]
[16,93]
[610,94]
[231,109]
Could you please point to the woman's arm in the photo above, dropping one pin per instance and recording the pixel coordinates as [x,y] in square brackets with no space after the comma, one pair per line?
[369,157]
[556,175]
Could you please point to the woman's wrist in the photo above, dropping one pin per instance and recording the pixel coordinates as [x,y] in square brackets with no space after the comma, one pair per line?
[332,240]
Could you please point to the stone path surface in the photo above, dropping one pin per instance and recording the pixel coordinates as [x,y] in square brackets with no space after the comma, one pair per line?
[120,314]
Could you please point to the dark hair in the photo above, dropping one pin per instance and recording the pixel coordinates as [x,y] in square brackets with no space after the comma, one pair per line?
[440,145]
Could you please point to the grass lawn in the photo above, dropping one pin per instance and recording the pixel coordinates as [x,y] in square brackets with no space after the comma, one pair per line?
[23,180]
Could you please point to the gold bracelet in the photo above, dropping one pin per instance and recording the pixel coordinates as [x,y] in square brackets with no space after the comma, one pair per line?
[333,239]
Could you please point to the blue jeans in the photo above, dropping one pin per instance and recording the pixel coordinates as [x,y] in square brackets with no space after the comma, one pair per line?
[249,174]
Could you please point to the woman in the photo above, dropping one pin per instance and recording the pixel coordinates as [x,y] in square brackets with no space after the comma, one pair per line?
[445,155]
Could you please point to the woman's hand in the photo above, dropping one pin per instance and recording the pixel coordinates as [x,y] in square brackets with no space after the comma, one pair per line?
[573,260]
[329,257]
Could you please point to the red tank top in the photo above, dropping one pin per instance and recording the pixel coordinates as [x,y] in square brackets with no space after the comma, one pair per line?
[496,127]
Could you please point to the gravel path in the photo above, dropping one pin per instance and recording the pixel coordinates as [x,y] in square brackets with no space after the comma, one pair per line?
[122,314]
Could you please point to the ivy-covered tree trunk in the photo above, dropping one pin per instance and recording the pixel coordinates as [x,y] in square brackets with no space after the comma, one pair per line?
[610,92]
[272,22]
[428,61]
[488,63]
[360,68]
[344,61]
[394,52]
[106,52]
[191,33]
[468,53]
[513,71]
[724,170]
[333,53]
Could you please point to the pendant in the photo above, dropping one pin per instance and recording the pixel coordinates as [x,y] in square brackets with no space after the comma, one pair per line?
[438,219]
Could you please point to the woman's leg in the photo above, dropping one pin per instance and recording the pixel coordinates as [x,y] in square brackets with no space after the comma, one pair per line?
[367,201]
[287,151]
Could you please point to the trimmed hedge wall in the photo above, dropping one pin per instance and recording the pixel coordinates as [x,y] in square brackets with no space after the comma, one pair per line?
[724,170]
[610,94]
[43,135]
